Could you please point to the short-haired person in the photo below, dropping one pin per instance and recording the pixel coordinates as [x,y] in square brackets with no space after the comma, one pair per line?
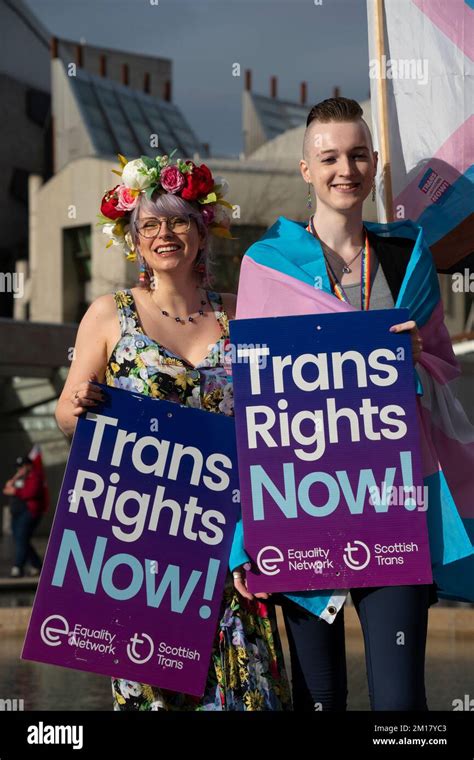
[366,270]
[165,339]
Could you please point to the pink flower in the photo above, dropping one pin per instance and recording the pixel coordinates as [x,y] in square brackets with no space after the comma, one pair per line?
[171,179]
[127,198]
[208,214]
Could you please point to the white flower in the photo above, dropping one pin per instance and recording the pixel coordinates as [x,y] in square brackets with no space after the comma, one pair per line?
[130,688]
[123,240]
[150,357]
[221,217]
[171,369]
[224,185]
[133,176]
[126,352]
[108,229]
[194,399]
[157,705]
[133,384]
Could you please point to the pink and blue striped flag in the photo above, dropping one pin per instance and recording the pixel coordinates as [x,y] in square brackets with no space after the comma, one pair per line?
[427,70]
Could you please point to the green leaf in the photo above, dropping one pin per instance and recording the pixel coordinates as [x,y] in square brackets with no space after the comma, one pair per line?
[183,167]
[150,163]
[104,219]
[210,198]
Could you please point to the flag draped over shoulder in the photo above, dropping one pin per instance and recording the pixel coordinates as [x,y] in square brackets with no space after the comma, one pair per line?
[284,274]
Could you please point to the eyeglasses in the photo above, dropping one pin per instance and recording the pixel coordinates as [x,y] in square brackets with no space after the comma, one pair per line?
[150,228]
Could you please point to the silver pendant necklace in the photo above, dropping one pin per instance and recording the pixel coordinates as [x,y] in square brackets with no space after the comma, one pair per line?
[346,268]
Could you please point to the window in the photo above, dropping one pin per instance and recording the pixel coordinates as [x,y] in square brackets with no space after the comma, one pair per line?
[76,272]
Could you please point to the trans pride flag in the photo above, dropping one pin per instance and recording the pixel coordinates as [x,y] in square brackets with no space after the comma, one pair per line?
[278,277]
[427,69]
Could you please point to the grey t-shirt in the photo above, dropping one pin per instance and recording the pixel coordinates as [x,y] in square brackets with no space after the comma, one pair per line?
[380,295]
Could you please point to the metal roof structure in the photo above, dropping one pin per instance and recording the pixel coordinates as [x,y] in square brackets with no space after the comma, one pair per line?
[120,119]
[277,116]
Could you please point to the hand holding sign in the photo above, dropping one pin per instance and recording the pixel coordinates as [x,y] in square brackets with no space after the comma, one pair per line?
[240,584]
[416,341]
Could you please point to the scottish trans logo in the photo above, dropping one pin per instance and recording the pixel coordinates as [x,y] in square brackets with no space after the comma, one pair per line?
[356,555]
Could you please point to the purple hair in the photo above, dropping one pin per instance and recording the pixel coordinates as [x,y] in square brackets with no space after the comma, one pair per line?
[167,204]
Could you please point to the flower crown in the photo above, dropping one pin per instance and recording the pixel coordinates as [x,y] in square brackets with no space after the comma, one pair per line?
[147,175]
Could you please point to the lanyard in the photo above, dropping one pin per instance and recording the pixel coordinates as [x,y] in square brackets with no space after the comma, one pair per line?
[336,286]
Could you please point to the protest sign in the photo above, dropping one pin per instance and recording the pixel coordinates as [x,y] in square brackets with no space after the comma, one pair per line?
[329,453]
[135,567]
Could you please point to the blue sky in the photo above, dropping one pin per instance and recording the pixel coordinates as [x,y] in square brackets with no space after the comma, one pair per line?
[296,40]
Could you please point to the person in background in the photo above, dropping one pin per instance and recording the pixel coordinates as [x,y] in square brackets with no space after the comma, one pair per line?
[27,507]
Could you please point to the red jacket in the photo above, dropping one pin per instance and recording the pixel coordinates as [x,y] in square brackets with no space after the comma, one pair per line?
[32,493]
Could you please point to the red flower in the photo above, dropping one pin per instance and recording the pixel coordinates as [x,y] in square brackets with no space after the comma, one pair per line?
[198,183]
[108,206]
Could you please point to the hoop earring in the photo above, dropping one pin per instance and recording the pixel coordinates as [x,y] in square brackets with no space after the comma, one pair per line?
[374,189]
[309,202]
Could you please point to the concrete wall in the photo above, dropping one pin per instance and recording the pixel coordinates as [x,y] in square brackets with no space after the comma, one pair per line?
[71,137]
[253,134]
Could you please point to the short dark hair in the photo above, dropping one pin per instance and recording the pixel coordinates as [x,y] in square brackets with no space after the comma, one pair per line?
[335,109]
[332,109]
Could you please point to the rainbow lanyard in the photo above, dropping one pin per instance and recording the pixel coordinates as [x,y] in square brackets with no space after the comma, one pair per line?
[336,286]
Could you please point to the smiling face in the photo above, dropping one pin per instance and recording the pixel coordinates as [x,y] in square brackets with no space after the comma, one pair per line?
[340,162]
[168,250]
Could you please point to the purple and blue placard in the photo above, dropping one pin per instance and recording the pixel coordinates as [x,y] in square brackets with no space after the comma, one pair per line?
[134,572]
[329,455]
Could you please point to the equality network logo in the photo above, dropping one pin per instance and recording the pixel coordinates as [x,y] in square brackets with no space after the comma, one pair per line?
[55,630]
[268,560]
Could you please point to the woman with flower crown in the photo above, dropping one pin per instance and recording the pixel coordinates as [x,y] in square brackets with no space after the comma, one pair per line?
[167,339]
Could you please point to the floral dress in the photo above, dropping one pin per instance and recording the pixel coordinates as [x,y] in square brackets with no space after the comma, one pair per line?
[246,670]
